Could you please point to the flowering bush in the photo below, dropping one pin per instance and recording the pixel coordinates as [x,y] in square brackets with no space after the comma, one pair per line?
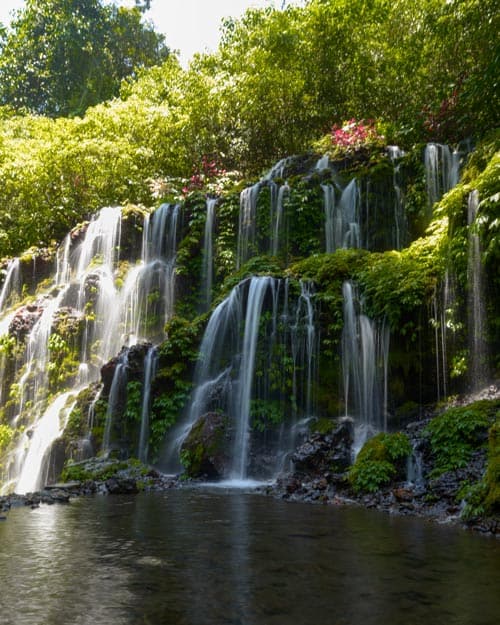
[350,137]
[355,135]
[203,175]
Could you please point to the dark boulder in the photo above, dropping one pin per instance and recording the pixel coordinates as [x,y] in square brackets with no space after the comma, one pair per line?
[121,486]
[203,452]
[326,452]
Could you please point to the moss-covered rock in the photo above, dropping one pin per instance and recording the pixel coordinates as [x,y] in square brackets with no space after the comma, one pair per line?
[381,460]
[204,451]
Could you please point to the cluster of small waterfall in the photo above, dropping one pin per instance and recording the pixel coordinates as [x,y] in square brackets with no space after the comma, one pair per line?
[258,359]
[256,362]
[106,315]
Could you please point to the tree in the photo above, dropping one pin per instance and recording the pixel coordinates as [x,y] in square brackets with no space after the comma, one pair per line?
[62,56]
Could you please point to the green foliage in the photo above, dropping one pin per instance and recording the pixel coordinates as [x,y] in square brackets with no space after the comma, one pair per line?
[63,363]
[379,461]
[265,414]
[275,85]
[454,434]
[8,345]
[173,382]
[133,408]
[483,498]
[6,435]
[62,56]
[101,470]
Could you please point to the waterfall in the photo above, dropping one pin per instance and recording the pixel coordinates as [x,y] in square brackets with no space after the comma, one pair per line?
[365,354]
[118,301]
[117,398]
[348,228]
[256,293]
[149,290]
[247,227]
[11,284]
[478,343]
[441,171]
[207,273]
[102,238]
[257,340]
[322,163]
[395,153]
[331,241]
[414,469]
[250,240]
[150,367]
[278,222]
[47,429]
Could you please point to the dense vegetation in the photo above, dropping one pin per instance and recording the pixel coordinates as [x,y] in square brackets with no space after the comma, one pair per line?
[336,77]
[62,56]
[278,82]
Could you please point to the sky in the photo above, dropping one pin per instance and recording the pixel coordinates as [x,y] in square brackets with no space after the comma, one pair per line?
[188,25]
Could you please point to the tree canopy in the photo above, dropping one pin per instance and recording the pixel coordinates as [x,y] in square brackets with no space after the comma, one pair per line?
[62,56]
[423,70]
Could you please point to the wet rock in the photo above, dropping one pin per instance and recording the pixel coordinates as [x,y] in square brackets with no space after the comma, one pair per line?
[324,452]
[121,486]
[135,365]
[403,494]
[204,449]
[68,322]
[24,320]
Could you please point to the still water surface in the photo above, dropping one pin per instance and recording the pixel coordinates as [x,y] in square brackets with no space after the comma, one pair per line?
[210,557]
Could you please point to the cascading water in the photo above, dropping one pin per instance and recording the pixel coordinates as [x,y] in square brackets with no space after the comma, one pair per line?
[84,289]
[117,398]
[442,167]
[395,153]
[478,344]
[240,372]
[47,429]
[247,225]
[278,217]
[342,219]
[150,367]
[256,293]
[331,241]
[11,285]
[207,274]
[365,353]
[249,244]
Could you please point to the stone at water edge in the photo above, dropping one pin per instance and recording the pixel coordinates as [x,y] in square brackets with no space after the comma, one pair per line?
[204,447]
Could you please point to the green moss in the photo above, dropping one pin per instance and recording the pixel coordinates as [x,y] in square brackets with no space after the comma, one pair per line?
[203,446]
[381,459]
[100,470]
[483,497]
[323,426]
[6,435]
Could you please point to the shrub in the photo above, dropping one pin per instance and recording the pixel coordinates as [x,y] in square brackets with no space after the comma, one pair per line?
[456,433]
[380,460]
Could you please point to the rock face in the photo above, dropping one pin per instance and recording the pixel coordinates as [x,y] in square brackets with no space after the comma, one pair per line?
[326,452]
[203,453]
[135,365]
[24,320]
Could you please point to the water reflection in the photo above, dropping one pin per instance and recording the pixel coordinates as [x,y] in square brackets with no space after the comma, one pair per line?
[197,557]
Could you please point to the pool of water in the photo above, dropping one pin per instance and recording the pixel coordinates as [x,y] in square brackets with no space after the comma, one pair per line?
[211,556]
